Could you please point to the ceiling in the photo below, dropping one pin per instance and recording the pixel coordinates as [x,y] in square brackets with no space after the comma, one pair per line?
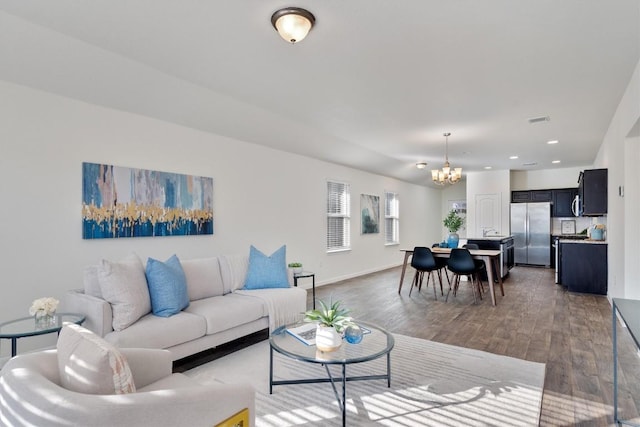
[374,86]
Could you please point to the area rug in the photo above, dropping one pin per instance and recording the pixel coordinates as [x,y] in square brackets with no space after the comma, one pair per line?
[432,384]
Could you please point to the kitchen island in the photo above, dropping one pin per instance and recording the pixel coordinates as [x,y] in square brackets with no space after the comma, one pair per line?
[583,265]
[502,243]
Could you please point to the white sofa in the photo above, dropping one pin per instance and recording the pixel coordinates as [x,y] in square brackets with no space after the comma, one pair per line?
[218,312]
[31,394]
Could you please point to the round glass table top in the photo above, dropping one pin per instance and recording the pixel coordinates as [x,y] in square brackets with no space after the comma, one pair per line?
[27,326]
[374,344]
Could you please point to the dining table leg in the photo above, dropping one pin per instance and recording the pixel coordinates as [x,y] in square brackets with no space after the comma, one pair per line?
[494,263]
[488,261]
[407,254]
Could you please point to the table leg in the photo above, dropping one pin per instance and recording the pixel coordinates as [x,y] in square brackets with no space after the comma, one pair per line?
[344,395]
[404,268]
[615,366]
[488,261]
[313,284]
[14,346]
[270,370]
[389,369]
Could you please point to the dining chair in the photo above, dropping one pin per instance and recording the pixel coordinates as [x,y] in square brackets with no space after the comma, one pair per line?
[424,262]
[442,266]
[461,263]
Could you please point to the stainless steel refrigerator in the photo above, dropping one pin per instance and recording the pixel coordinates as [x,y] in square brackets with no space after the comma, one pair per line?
[531,229]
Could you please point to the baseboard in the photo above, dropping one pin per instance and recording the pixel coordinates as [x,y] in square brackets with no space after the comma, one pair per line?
[358,274]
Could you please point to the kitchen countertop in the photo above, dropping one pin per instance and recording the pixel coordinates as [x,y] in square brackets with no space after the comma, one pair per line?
[492,238]
[583,241]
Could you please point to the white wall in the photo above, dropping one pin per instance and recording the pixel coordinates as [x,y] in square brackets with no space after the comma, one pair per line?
[546,178]
[619,153]
[262,197]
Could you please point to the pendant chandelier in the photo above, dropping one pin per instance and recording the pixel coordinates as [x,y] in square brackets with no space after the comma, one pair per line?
[446,175]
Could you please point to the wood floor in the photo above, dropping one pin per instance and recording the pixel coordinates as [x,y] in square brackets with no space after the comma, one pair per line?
[536,320]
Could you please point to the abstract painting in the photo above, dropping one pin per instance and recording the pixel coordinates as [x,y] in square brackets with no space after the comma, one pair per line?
[370,213]
[127,202]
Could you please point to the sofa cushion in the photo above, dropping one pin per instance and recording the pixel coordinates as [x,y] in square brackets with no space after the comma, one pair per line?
[167,286]
[203,278]
[160,332]
[91,281]
[124,285]
[267,271]
[88,364]
[226,312]
[233,269]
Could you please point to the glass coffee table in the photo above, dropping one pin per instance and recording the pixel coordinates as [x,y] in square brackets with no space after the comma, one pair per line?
[374,345]
[27,327]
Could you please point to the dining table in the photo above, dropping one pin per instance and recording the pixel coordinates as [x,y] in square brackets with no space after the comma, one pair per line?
[491,257]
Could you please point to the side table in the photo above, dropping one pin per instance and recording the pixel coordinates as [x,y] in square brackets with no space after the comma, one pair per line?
[302,275]
[26,327]
[629,312]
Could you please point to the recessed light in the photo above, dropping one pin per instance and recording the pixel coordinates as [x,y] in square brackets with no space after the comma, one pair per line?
[421,165]
[555,161]
[555,141]
[513,157]
[488,167]
[529,164]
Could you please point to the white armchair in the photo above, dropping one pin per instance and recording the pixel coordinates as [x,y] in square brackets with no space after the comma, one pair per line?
[31,395]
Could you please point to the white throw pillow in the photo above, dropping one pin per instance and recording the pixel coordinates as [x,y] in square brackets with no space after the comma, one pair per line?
[203,278]
[91,282]
[234,271]
[88,364]
[124,285]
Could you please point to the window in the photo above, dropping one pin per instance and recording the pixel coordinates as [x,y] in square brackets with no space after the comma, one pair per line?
[391,219]
[338,216]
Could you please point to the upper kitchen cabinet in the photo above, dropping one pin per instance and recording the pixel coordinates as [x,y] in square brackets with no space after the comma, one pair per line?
[562,199]
[531,196]
[592,191]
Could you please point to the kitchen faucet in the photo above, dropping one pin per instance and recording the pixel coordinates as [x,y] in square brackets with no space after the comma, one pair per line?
[486,231]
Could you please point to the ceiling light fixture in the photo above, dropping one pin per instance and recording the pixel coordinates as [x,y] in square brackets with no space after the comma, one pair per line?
[421,165]
[446,174]
[293,23]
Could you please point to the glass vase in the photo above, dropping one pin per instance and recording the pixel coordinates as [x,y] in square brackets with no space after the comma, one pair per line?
[45,319]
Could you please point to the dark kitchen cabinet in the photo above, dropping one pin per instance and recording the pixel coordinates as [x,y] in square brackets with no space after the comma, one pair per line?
[520,196]
[531,196]
[541,195]
[562,200]
[583,267]
[592,188]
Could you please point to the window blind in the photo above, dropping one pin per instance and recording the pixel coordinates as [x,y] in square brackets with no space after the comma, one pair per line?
[391,218]
[338,216]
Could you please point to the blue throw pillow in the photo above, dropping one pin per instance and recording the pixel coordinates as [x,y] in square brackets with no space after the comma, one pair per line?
[267,271]
[167,286]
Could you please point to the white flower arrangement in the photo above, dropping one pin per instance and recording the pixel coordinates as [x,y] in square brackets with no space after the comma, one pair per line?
[46,305]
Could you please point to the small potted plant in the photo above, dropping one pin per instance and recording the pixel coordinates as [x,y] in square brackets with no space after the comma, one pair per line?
[296,267]
[332,319]
[453,222]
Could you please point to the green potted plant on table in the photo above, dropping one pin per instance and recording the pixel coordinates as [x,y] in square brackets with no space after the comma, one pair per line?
[296,267]
[332,319]
[453,222]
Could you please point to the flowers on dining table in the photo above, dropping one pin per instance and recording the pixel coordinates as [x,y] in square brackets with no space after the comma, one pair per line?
[45,306]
